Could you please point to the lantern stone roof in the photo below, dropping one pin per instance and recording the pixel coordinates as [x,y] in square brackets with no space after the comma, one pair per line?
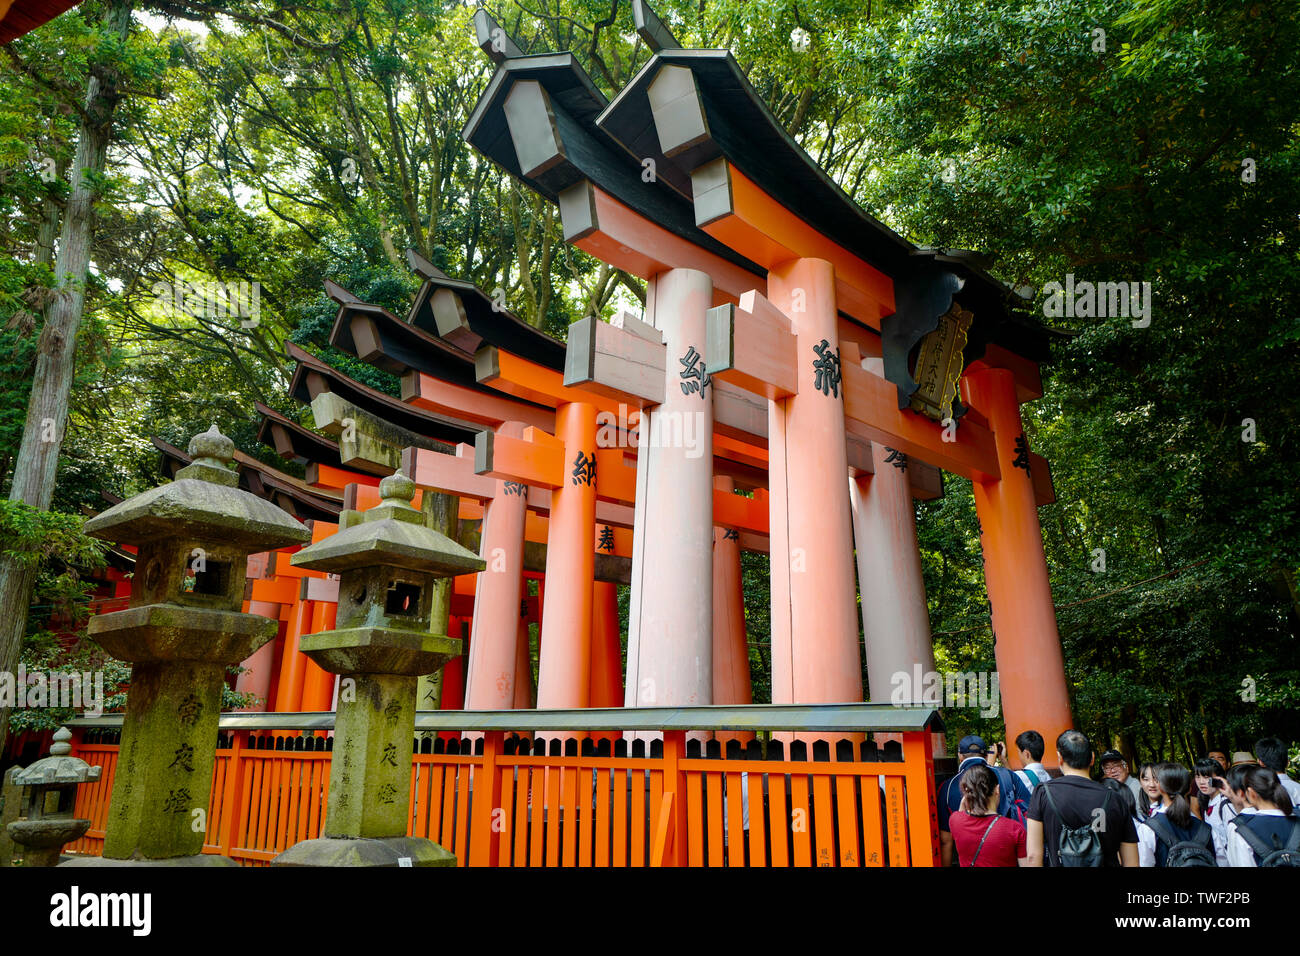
[60,767]
[204,501]
[392,534]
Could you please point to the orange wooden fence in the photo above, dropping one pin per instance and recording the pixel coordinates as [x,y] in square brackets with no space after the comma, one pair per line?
[503,800]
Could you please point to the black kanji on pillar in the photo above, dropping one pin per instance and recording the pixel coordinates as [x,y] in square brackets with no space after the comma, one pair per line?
[1022,453]
[584,469]
[827,368]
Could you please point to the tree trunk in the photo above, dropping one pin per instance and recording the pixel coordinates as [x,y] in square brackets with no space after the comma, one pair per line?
[47,409]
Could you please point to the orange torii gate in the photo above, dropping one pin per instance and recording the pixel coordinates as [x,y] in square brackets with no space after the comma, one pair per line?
[686,178]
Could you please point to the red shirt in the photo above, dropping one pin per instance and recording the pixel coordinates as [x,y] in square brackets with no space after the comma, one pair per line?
[1005,845]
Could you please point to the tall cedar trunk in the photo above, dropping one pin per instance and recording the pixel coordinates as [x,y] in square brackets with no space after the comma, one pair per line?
[47,409]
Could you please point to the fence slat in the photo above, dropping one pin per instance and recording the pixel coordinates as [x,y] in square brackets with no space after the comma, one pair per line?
[895,822]
[735,819]
[823,819]
[602,837]
[846,808]
[757,816]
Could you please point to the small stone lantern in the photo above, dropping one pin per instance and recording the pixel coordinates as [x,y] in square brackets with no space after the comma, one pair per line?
[53,781]
[183,628]
[387,560]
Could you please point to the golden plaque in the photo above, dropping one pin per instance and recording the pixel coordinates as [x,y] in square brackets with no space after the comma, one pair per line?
[939,364]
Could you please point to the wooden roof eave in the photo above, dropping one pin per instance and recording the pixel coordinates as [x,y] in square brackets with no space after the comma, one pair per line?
[554,127]
[476,318]
[313,376]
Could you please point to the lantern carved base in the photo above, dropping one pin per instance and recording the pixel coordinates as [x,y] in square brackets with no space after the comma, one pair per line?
[365,851]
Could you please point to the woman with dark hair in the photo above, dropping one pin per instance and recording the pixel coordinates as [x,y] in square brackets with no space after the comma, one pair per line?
[1147,778]
[980,834]
[1217,809]
[1173,823]
[1124,796]
[1270,827]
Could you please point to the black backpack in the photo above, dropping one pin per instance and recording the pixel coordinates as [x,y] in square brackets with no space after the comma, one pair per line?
[1198,851]
[1078,846]
[1279,854]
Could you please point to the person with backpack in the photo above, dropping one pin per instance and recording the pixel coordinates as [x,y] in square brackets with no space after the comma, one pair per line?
[980,834]
[1076,821]
[1013,797]
[1270,836]
[1031,746]
[1173,836]
[1271,753]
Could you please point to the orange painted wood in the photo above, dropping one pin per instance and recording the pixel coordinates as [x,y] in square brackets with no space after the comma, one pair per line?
[713,784]
[922,809]
[327,476]
[461,844]
[846,810]
[757,822]
[538,797]
[447,818]
[603,829]
[470,405]
[735,820]
[695,812]
[615,478]
[522,791]
[780,821]
[586,812]
[823,819]
[554,814]
[765,231]
[873,847]
[763,350]
[895,821]
[800,820]
[532,462]
[619,830]
[663,832]
[744,514]
[638,822]
[570,820]
[276,590]
[518,376]
[871,411]
[503,838]
[628,241]
[654,806]
[486,812]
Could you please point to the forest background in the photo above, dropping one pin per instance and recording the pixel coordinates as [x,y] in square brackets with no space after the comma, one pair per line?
[1114,140]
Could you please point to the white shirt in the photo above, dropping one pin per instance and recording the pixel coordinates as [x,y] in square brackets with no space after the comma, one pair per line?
[1039,770]
[1147,845]
[1292,789]
[1239,851]
[1219,812]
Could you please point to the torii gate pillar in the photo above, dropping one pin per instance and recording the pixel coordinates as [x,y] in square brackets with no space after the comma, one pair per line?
[895,620]
[564,669]
[494,636]
[670,627]
[1031,666]
[814,618]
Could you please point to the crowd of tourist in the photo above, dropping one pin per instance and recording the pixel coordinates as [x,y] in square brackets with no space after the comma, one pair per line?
[1219,812]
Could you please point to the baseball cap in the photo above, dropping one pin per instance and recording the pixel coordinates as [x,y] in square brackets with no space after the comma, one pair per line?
[971,744]
[1111,755]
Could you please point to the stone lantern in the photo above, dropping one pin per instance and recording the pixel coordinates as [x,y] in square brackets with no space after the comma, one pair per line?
[50,823]
[183,628]
[387,560]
